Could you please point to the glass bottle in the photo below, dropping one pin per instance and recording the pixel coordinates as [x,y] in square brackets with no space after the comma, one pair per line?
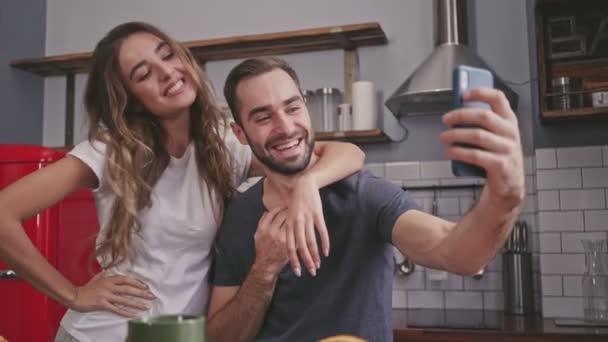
[594,281]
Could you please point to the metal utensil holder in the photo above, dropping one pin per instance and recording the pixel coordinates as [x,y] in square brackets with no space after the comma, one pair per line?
[517,272]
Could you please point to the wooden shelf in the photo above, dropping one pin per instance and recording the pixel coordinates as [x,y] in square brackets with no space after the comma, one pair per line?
[582,69]
[575,113]
[326,38]
[345,37]
[365,136]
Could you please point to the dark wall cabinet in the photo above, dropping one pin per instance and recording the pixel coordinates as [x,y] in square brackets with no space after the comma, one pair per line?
[572,37]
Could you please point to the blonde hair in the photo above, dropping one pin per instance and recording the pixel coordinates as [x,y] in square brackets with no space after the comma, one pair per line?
[135,140]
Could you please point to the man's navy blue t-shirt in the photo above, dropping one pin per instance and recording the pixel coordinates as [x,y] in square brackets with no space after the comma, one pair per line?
[352,291]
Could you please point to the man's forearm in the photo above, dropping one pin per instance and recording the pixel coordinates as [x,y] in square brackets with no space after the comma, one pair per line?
[474,241]
[242,317]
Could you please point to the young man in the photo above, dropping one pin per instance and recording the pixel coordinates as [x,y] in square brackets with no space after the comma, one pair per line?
[257,296]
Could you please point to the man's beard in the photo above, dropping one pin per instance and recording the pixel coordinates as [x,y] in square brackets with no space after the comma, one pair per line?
[285,167]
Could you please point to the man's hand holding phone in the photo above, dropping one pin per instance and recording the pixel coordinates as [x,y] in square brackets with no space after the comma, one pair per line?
[494,133]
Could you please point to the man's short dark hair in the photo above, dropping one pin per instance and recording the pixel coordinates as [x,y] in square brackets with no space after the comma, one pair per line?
[250,68]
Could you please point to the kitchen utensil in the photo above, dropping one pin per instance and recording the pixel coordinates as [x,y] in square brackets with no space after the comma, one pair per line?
[479,274]
[524,237]
[403,265]
[174,328]
[517,272]
[517,283]
[406,267]
[516,237]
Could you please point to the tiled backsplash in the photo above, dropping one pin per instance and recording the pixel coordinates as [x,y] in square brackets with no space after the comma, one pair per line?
[456,292]
[572,202]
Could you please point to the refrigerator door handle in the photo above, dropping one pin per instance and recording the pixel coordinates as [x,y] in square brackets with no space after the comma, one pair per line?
[8,275]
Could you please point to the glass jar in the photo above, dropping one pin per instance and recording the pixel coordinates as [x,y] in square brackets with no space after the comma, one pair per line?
[595,281]
[566,93]
[329,99]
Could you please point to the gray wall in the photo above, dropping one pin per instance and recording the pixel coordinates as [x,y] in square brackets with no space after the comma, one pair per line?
[500,38]
[567,133]
[22,34]
[501,41]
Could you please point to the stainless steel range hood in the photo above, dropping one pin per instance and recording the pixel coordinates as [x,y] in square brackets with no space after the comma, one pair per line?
[429,89]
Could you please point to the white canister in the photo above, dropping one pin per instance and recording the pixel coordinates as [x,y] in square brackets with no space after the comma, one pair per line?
[344,117]
[364,106]
[599,99]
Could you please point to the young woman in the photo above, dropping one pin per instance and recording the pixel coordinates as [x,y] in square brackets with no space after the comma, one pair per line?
[161,163]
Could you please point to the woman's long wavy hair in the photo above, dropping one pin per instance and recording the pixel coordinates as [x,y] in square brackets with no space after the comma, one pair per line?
[135,139]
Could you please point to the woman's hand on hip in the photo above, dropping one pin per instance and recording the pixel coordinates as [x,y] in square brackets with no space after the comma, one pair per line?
[121,295]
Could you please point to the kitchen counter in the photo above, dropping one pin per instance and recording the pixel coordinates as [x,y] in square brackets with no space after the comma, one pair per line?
[478,325]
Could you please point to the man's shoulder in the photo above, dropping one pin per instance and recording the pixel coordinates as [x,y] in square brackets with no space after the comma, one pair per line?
[244,207]
[252,194]
[358,181]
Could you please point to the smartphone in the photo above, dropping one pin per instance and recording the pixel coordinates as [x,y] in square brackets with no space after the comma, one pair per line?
[464,78]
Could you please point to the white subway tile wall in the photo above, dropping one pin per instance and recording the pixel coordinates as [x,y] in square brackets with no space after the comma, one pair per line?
[550,242]
[403,171]
[561,263]
[596,177]
[562,306]
[416,290]
[493,300]
[560,221]
[572,286]
[548,200]
[463,300]
[596,220]
[558,179]
[436,169]
[546,158]
[399,300]
[453,282]
[425,299]
[582,199]
[552,285]
[572,199]
[579,156]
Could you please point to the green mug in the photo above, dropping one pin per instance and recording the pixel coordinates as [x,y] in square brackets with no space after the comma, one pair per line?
[167,328]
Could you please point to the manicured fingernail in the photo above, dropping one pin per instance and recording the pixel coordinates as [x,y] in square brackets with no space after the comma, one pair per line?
[313,271]
[298,272]
[318,264]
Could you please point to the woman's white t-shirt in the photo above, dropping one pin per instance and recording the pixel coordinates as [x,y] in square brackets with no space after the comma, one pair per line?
[172,249]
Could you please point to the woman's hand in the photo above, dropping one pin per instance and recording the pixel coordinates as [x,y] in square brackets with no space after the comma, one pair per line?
[114,293]
[305,213]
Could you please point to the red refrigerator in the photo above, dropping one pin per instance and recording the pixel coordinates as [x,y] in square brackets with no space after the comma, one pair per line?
[64,234]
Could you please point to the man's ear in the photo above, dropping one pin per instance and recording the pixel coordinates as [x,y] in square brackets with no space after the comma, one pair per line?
[239,133]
